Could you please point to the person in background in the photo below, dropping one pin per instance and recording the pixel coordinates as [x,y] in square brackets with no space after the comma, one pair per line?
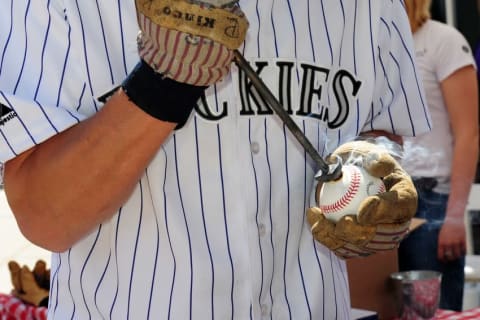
[442,162]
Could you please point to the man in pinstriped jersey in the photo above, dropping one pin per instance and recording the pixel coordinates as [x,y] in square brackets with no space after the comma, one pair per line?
[154,211]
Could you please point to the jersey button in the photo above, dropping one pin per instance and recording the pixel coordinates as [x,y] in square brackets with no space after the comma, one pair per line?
[265,310]
[262,230]
[255,147]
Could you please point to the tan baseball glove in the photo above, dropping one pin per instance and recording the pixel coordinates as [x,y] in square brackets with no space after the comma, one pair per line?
[190,41]
[382,220]
[30,286]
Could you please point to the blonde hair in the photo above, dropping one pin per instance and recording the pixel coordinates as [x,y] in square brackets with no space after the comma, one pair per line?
[418,12]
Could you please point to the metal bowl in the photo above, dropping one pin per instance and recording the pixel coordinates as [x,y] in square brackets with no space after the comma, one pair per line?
[416,293]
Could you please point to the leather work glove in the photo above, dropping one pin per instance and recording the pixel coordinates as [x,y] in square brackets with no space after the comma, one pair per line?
[190,41]
[30,286]
[382,220]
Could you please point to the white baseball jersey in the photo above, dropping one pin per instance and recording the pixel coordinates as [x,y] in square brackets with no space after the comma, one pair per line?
[216,226]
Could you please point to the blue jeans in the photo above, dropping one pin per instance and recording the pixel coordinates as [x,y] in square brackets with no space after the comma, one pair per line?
[418,251]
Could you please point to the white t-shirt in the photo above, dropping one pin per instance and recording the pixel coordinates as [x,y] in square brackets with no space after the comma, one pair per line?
[216,226]
[440,51]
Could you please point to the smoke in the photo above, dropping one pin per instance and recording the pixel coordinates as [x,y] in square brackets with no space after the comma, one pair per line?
[393,148]
[382,145]
[416,156]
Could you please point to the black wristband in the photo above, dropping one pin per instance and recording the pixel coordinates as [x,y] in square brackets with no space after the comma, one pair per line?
[159,96]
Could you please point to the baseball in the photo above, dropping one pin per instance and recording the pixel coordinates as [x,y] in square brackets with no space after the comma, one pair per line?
[343,196]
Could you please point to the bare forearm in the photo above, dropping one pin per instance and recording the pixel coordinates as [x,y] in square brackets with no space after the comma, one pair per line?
[63,188]
[463,174]
[460,91]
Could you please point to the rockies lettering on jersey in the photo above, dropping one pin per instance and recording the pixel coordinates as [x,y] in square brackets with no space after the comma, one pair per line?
[333,115]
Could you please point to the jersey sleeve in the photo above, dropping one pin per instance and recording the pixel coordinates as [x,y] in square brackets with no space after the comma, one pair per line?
[452,53]
[399,92]
[35,65]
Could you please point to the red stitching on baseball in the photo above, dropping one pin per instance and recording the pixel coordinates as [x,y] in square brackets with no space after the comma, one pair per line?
[351,191]
[382,188]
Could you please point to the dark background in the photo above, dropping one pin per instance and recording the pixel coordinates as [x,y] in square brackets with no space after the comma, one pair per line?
[466,18]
